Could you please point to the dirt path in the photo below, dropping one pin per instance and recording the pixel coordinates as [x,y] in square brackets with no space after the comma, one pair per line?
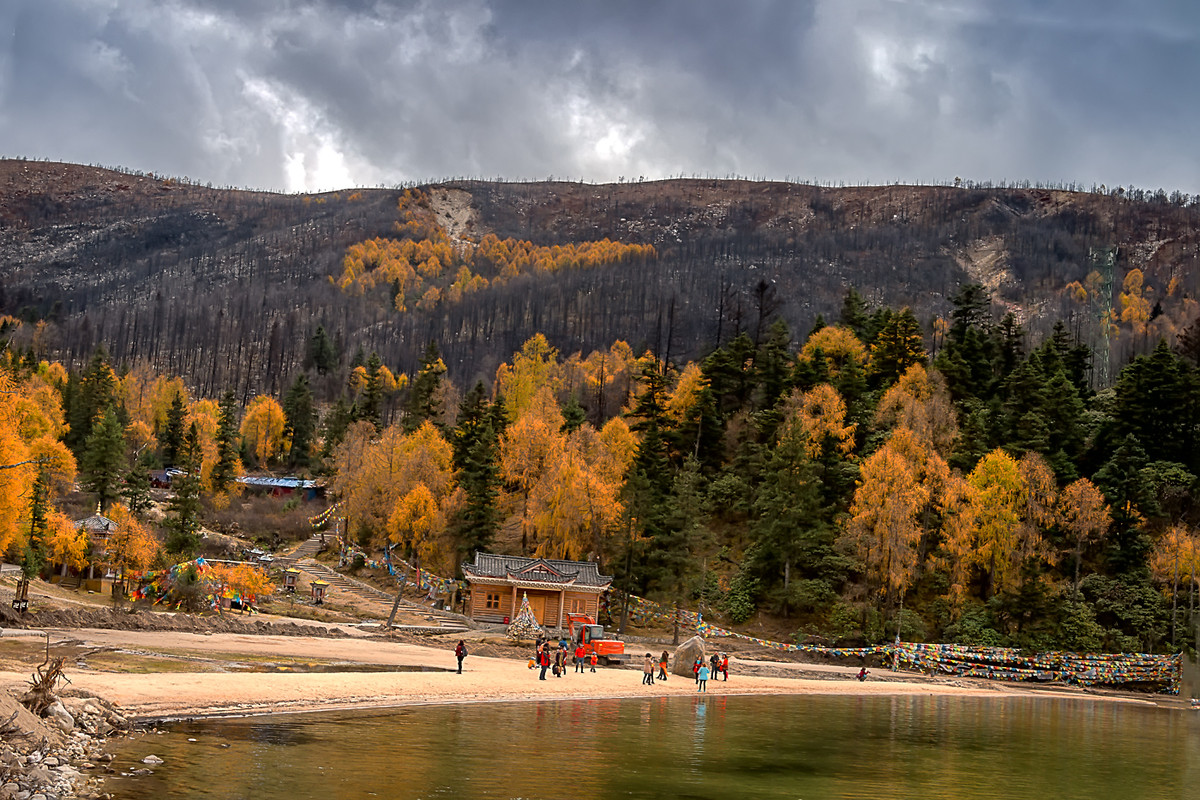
[192,693]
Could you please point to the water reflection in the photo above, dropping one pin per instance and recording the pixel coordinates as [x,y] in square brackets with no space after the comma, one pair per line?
[704,747]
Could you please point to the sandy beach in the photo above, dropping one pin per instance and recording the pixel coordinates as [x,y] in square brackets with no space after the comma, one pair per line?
[282,684]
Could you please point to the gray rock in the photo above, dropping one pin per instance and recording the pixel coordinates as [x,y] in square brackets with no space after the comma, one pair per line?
[57,714]
[685,655]
[152,759]
[39,776]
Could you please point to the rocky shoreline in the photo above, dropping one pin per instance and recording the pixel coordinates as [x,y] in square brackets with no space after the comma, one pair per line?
[59,756]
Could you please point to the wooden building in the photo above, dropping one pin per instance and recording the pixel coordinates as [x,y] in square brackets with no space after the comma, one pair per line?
[554,588]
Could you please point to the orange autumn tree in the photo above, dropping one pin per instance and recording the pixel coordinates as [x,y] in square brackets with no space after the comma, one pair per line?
[242,580]
[376,480]
[920,401]
[131,549]
[528,447]
[417,523]
[533,368]
[31,422]
[884,530]
[575,505]
[1085,517]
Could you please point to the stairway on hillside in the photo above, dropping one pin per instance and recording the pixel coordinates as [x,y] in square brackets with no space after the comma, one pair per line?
[307,549]
[443,620]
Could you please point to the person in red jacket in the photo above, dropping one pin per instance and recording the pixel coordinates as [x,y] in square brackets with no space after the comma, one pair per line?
[580,654]
[543,662]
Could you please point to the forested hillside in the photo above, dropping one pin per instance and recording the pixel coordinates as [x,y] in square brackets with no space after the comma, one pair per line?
[995,441]
[226,288]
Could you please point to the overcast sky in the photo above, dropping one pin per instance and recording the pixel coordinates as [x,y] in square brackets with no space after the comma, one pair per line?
[308,95]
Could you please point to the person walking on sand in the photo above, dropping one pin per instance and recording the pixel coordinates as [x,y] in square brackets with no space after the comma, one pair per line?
[699,662]
[580,654]
[460,652]
[543,662]
[714,664]
[702,679]
[724,667]
[648,670]
[662,666]
[594,659]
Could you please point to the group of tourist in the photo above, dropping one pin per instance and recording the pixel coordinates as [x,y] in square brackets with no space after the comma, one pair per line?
[718,663]
[549,657]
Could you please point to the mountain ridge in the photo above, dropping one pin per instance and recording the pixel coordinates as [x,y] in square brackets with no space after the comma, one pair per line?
[224,287]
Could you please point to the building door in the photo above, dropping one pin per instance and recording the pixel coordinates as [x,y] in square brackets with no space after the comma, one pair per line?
[538,604]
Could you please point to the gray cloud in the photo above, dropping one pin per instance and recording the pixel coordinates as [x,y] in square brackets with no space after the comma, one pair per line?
[288,94]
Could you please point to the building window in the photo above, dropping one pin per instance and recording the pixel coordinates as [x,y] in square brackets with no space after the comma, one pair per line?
[492,601]
[578,605]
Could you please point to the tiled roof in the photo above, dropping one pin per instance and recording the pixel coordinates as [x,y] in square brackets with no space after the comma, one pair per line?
[277,483]
[97,523]
[536,570]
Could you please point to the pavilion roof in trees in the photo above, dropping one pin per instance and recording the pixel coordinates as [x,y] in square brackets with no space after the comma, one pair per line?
[96,525]
[536,573]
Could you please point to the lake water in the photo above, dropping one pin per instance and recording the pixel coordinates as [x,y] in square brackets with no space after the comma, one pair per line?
[724,748]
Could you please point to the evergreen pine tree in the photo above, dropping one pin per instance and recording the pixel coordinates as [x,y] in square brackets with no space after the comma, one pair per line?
[333,431]
[93,394]
[170,438]
[772,365]
[425,392]
[228,443]
[370,402]
[573,415]
[898,345]
[300,429]
[183,510]
[136,489]
[33,557]
[854,314]
[320,352]
[104,459]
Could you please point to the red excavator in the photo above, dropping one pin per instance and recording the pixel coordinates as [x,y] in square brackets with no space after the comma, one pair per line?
[585,631]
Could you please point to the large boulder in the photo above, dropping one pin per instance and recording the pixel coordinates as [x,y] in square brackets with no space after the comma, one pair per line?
[686,655]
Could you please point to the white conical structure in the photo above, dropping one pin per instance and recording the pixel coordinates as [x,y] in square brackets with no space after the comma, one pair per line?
[525,625]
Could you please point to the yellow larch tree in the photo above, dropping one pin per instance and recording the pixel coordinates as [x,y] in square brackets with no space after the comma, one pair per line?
[574,504]
[262,428]
[66,545]
[819,415]
[686,393]
[990,528]
[839,346]
[1174,558]
[417,523]
[533,368]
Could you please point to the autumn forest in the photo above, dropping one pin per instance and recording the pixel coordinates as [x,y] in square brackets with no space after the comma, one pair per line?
[962,470]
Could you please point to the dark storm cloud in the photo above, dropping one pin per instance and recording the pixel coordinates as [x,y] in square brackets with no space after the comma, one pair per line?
[292,94]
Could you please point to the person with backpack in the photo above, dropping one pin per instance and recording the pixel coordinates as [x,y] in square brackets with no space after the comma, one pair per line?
[460,652]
